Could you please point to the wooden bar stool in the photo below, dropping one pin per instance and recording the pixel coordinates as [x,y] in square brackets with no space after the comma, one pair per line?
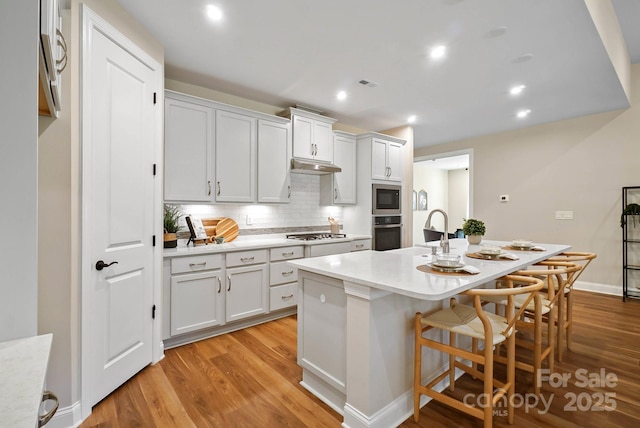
[476,323]
[565,304]
[533,318]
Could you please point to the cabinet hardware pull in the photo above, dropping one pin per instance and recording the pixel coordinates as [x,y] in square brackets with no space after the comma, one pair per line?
[287,273]
[290,296]
[335,194]
[389,172]
[61,64]
[229,281]
[219,188]
[289,192]
[197,264]
[46,396]
[246,259]
[312,149]
[290,253]
[219,285]
[359,245]
[209,186]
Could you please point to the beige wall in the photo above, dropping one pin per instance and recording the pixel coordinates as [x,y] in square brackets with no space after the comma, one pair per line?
[574,165]
[59,204]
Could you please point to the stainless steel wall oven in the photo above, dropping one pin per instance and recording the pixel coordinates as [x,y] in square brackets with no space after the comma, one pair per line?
[386,232]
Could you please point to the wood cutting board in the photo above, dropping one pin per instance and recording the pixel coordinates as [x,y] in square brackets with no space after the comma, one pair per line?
[210,225]
[228,228]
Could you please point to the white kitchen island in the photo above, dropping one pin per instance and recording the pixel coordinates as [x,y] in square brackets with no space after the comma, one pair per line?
[355,324]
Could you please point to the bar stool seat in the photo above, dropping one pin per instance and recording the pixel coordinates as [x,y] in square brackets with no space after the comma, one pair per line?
[478,324]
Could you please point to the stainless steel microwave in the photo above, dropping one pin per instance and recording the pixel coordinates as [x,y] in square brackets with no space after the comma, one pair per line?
[386,199]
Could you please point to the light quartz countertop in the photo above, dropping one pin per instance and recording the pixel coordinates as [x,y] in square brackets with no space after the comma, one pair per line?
[23,367]
[396,271]
[250,243]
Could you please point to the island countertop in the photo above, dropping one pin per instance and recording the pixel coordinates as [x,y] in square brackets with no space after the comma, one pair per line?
[396,271]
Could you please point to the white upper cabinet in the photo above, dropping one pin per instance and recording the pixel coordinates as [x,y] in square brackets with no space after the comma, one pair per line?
[386,160]
[215,152]
[340,188]
[274,161]
[312,135]
[188,150]
[236,141]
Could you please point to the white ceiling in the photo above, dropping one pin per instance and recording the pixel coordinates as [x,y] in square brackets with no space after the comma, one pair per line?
[286,52]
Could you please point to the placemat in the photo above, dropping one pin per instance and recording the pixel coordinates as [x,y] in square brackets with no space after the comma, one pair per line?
[427,269]
[484,257]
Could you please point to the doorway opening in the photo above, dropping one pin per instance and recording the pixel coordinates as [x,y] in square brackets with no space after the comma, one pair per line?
[442,181]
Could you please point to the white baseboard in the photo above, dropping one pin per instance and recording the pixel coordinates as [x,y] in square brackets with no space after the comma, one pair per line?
[66,417]
[594,287]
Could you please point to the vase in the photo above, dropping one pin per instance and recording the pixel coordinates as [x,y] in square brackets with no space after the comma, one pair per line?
[170,240]
[474,239]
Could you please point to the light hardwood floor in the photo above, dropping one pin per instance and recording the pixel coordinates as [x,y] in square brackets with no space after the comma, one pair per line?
[250,378]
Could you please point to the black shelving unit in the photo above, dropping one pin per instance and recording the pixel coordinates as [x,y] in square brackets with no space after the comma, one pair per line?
[630,246]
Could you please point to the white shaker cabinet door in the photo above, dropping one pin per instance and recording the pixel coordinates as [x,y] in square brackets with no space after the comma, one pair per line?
[394,161]
[247,292]
[378,159]
[303,144]
[188,151]
[235,157]
[344,189]
[323,140]
[196,301]
[274,161]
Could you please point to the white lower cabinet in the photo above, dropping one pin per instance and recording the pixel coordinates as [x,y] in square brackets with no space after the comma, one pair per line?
[195,301]
[283,278]
[246,286]
[360,244]
[195,293]
[214,293]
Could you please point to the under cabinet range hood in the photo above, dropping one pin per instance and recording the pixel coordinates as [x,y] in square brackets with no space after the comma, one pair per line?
[303,166]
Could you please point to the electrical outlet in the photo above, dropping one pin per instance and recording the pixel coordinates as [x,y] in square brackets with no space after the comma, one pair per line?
[249,220]
[564,215]
[504,198]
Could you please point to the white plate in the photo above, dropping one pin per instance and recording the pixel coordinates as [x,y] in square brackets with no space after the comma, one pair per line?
[491,253]
[446,265]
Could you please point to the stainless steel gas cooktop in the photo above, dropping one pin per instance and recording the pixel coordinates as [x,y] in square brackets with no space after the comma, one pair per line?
[315,236]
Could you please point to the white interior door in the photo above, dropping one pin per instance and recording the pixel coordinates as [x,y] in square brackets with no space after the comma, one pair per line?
[119,134]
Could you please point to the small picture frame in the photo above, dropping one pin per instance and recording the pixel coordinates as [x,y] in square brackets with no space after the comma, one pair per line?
[422,200]
[415,200]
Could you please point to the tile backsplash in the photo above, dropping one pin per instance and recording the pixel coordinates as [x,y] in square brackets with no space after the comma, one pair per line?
[303,211]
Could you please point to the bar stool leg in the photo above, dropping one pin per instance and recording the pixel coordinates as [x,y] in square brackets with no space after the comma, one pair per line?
[452,363]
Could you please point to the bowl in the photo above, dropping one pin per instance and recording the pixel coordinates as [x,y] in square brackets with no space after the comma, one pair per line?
[491,250]
[447,260]
[521,243]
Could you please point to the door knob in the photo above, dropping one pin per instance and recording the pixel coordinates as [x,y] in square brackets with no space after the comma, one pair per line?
[101,265]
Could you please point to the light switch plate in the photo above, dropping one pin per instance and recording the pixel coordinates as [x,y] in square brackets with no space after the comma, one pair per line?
[564,215]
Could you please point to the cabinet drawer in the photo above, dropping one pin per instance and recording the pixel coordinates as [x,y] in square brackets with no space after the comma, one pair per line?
[245,258]
[281,273]
[287,253]
[283,296]
[196,263]
[361,244]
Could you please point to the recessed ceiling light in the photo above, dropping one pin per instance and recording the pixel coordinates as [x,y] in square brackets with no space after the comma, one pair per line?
[214,12]
[412,118]
[342,95]
[517,90]
[438,52]
[523,113]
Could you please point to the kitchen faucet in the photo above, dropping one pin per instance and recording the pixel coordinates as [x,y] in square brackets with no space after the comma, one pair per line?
[444,239]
